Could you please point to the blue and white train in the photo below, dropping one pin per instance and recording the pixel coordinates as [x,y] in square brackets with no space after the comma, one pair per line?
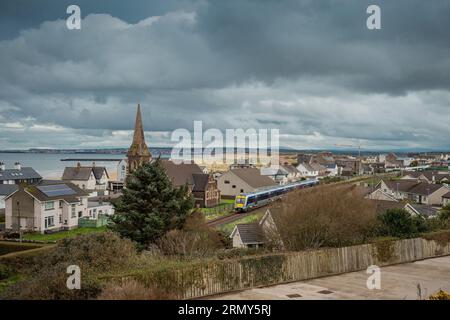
[252,200]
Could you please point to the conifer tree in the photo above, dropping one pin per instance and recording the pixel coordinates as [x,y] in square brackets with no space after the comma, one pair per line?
[150,205]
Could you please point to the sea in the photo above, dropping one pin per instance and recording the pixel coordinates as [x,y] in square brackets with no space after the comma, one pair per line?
[50,166]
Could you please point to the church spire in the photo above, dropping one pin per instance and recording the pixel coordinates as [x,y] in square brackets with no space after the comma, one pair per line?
[138,137]
[138,152]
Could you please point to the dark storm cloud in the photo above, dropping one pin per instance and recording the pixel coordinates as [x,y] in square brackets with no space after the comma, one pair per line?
[311,68]
[270,39]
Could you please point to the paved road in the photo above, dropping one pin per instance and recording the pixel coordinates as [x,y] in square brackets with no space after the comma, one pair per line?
[397,282]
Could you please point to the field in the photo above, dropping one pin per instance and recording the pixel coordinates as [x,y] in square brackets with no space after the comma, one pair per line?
[61,235]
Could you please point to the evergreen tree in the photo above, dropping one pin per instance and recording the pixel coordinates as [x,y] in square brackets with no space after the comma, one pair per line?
[150,205]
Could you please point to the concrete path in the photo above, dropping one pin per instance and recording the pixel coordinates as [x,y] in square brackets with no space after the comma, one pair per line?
[397,282]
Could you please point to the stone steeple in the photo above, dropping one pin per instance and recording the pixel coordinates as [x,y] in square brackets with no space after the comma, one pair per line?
[138,152]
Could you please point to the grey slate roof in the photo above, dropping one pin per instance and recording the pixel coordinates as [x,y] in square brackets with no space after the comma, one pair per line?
[15,174]
[7,189]
[447,195]
[250,233]
[38,194]
[425,211]
[83,173]
[200,182]
[182,173]
[253,177]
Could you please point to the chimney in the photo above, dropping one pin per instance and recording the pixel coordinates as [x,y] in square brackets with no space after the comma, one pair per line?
[17,166]
[2,166]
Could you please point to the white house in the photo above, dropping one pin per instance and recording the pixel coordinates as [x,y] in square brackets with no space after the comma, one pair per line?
[122,170]
[87,178]
[40,208]
[96,208]
[312,170]
[276,173]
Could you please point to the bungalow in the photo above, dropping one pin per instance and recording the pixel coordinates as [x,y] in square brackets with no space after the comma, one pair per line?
[276,173]
[332,169]
[293,173]
[87,178]
[312,170]
[421,210]
[203,186]
[241,180]
[428,176]
[417,191]
[44,207]
[250,235]
[247,235]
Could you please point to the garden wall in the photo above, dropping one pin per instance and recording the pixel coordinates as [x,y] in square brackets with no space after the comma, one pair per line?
[228,275]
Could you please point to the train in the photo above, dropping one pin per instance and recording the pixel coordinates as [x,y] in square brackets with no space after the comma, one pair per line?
[260,197]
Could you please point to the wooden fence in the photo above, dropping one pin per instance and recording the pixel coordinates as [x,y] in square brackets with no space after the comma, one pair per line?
[204,279]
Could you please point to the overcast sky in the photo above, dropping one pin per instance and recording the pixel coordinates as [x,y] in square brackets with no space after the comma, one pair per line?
[310,68]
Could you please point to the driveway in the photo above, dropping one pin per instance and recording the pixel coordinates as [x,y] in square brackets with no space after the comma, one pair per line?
[409,281]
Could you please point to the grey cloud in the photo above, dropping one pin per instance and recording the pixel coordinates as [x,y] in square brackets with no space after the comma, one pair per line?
[310,68]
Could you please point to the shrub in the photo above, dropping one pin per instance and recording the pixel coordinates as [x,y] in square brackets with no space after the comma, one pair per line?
[400,223]
[130,289]
[94,253]
[327,215]
[440,295]
[195,239]
[5,272]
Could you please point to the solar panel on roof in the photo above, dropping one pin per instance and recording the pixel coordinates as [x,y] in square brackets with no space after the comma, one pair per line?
[56,190]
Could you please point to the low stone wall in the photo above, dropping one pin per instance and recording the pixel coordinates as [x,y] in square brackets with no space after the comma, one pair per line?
[204,279]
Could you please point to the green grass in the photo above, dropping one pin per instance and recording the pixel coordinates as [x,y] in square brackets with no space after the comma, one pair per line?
[228,228]
[9,282]
[224,208]
[63,234]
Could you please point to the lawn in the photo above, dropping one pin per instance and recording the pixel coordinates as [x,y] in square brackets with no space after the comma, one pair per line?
[63,234]
[224,208]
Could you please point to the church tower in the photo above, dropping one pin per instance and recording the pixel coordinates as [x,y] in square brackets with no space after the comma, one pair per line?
[138,152]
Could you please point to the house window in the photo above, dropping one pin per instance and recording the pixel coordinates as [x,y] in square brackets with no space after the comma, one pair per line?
[233,186]
[49,205]
[61,203]
[49,222]
[73,213]
[60,218]
[80,214]
[242,190]
[227,182]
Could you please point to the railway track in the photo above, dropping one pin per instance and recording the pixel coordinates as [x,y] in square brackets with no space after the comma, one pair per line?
[227,219]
